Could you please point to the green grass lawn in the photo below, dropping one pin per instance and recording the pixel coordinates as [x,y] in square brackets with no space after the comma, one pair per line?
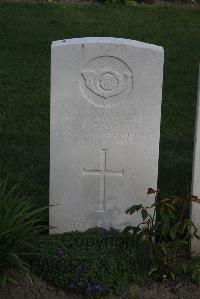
[26,33]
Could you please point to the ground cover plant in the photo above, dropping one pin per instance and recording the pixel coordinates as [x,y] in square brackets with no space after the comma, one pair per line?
[100,262]
[134,2]
[93,263]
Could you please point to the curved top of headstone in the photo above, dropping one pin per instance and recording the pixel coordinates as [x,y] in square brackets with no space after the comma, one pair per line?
[106,40]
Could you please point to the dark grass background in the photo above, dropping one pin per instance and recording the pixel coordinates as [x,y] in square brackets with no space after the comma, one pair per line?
[26,33]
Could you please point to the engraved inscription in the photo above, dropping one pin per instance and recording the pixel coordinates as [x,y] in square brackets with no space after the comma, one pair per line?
[104,79]
[103,126]
[103,171]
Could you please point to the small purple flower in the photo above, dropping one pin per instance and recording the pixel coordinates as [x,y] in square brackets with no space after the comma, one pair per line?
[89,288]
[99,287]
[77,283]
[111,229]
[146,280]
[80,283]
[102,232]
[94,288]
[60,252]
[79,271]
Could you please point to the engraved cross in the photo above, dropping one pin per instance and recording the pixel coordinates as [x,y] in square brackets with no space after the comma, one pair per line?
[103,171]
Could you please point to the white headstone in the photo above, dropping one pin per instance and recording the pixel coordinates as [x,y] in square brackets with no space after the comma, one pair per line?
[105,125]
[195,213]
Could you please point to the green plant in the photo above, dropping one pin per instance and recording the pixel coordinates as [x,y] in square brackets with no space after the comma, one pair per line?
[121,1]
[167,236]
[97,260]
[191,267]
[20,223]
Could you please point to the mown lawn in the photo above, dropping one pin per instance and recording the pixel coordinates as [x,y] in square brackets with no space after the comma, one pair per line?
[26,33]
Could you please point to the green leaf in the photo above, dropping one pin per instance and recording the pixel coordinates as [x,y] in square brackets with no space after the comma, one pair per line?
[197,236]
[144,214]
[19,225]
[163,247]
[170,206]
[173,232]
[127,229]
[3,280]
[134,209]
[172,275]
[13,281]
[154,269]
[185,267]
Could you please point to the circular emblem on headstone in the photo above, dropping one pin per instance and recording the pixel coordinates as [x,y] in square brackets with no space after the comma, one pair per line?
[106,81]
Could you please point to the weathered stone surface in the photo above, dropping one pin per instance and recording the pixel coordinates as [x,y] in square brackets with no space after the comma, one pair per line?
[195,213]
[105,126]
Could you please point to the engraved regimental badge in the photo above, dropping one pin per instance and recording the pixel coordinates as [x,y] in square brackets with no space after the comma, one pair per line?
[106,81]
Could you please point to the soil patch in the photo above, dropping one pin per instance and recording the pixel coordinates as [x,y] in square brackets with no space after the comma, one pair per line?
[36,289]
[166,290]
[39,289]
